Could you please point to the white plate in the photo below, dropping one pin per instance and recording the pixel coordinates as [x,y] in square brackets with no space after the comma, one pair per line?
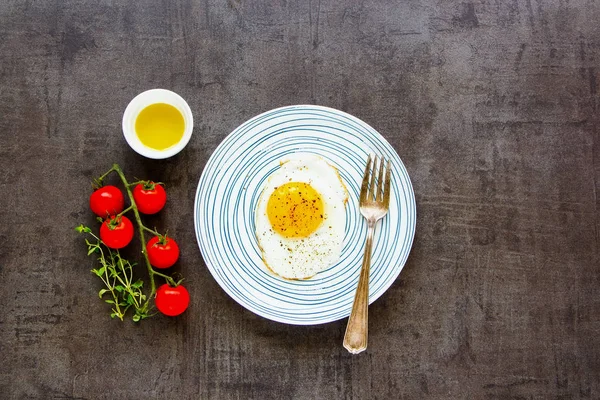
[231,184]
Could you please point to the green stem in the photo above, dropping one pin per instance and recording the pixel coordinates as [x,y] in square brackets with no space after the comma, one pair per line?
[152,231]
[169,280]
[134,183]
[127,282]
[141,229]
[122,282]
[128,279]
[110,287]
[125,210]
[99,180]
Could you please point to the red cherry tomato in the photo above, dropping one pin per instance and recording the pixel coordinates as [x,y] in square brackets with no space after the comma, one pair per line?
[108,200]
[162,253]
[116,232]
[172,301]
[149,197]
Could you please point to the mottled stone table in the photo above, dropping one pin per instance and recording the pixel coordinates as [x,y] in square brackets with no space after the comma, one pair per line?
[492,105]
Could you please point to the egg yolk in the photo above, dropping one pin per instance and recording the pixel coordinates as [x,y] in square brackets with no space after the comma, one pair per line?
[295,210]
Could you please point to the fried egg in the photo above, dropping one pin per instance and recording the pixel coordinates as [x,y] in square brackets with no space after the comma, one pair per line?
[300,217]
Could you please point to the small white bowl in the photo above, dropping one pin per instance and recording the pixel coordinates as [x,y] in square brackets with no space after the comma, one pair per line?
[142,101]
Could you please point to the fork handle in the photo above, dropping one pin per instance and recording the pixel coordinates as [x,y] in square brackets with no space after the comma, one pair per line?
[355,339]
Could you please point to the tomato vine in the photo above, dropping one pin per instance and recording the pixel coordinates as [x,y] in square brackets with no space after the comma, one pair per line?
[117,273]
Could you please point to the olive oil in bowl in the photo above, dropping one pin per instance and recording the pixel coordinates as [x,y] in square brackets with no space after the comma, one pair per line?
[159,126]
[158,123]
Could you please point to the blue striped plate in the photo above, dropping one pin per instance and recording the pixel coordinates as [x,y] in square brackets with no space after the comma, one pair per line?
[229,189]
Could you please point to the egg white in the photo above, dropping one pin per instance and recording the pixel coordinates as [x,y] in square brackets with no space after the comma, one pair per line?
[302,258]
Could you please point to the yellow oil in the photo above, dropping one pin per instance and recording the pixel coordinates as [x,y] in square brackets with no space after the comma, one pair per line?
[159,126]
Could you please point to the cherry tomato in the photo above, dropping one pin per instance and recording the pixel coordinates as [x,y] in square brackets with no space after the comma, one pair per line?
[171,300]
[162,253]
[108,200]
[116,232]
[149,197]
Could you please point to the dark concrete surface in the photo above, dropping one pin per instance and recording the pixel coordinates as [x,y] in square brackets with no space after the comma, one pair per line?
[492,105]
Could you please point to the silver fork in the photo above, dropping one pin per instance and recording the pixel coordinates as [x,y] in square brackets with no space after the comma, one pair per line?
[374,204]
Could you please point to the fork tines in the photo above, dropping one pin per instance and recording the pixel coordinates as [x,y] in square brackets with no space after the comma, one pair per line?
[377,190]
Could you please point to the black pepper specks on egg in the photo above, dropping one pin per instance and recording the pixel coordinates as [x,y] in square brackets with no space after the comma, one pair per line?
[298,252]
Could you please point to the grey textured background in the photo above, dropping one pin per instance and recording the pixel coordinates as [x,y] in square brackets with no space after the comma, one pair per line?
[492,105]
